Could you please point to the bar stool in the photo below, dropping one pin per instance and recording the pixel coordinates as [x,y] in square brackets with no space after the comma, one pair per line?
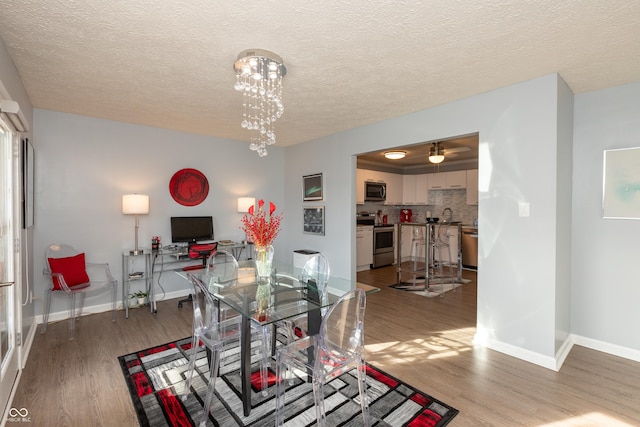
[443,249]
[418,248]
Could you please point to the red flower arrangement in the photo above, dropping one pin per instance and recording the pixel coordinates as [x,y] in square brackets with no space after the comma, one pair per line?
[259,228]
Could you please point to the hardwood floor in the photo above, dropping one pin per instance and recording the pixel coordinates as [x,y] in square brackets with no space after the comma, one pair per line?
[426,342]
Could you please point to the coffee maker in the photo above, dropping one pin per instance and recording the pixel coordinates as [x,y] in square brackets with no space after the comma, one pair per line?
[405,215]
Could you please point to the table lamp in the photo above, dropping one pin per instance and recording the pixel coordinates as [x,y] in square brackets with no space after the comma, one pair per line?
[135,204]
[244,203]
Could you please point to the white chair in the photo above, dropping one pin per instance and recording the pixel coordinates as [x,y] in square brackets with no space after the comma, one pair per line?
[72,276]
[337,349]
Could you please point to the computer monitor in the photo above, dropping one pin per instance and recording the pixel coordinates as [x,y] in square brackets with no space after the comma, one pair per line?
[191,229]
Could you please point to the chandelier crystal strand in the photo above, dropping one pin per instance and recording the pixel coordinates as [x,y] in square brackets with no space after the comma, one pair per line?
[259,77]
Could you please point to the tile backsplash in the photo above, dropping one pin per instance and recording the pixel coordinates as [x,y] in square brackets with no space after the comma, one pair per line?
[438,201]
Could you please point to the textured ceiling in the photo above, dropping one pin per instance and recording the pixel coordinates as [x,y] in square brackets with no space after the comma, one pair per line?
[349,63]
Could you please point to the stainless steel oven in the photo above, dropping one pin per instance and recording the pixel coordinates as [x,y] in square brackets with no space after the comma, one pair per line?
[383,245]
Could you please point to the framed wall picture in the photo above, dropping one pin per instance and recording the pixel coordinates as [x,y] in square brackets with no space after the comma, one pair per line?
[621,186]
[313,220]
[312,187]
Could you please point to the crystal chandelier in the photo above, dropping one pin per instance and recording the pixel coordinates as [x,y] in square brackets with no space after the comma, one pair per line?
[259,76]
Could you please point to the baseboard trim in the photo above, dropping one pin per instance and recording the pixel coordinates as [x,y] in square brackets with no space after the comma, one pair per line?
[556,362]
[101,308]
[605,347]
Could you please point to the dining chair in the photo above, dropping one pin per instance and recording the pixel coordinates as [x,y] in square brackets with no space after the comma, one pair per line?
[312,281]
[71,276]
[337,349]
[223,270]
[213,334]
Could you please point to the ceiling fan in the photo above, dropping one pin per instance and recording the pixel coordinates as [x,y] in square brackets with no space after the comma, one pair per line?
[437,152]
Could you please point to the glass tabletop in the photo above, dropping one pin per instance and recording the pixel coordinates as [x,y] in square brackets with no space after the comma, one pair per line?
[288,297]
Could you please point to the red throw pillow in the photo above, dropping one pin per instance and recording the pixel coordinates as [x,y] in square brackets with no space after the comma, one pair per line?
[73,269]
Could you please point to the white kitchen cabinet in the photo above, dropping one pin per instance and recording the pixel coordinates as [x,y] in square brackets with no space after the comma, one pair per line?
[421,189]
[360,178]
[414,189]
[447,180]
[436,181]
[364,247]
[472,186]
[394,188]
[408,189]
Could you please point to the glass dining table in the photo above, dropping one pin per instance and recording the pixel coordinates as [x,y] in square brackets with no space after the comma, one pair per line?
[289,299]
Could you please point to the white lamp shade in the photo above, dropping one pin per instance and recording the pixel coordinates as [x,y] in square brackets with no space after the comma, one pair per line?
[244,203]
[137,204]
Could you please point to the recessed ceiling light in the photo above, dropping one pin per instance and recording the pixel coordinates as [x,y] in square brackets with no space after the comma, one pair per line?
[395,155]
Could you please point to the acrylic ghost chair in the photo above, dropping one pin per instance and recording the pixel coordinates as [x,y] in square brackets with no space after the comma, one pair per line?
[215,335]
[442,248]
[222,271]
[337,349]
[312,281]
[73,277]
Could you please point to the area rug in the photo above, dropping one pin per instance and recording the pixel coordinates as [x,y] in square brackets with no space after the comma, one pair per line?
[435,288]
[156,381]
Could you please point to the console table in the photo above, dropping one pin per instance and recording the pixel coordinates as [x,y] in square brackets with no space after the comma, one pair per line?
[164,259]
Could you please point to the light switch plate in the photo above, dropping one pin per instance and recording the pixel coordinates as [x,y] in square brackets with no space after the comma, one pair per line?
[524,209]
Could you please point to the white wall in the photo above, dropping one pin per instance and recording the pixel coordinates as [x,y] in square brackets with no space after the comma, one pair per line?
[605,287]
[518,130]
[84,166]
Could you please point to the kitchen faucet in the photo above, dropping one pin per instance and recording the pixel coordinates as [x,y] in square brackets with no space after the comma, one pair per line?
[450,214]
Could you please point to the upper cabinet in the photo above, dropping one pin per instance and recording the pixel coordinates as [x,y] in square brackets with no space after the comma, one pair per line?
[393,181]
[472,186]
[360,178]
[447,180]
[414,189]
[394,188]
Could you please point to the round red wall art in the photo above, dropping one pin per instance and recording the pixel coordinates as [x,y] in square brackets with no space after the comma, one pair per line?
[189,187]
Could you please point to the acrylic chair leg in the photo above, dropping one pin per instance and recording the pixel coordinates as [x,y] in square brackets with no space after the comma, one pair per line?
[280,390]
[362,388]
[72,316]
[264,364]
[47,308]
[213,374]
[318,395]
[114,297]
[191,368]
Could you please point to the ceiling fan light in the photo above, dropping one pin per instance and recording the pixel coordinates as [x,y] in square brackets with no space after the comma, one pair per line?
[436,158]
[395,155]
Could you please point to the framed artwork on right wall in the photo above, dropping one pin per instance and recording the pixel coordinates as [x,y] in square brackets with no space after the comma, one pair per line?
[621,184]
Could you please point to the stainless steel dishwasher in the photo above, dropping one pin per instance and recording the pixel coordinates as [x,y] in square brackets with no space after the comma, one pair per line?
[470,248]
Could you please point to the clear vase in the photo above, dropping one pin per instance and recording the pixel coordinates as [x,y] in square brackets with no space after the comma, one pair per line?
[264,260]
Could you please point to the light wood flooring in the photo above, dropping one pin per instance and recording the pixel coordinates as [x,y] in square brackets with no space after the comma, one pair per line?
[424,342]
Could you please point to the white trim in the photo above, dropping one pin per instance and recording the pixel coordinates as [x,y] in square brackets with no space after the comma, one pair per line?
[605,347]
[17,119]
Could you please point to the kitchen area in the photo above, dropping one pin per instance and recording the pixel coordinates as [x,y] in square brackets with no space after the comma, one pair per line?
[420,192]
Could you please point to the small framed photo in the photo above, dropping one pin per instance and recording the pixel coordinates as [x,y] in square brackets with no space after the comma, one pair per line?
[313,221]
[312,187]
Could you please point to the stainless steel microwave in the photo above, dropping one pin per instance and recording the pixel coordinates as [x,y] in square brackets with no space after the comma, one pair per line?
[375,191]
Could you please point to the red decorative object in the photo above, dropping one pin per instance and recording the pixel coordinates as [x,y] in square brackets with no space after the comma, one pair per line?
[260,228]
[189,187]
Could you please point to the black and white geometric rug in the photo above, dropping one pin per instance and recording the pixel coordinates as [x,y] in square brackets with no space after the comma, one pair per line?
[156,380]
